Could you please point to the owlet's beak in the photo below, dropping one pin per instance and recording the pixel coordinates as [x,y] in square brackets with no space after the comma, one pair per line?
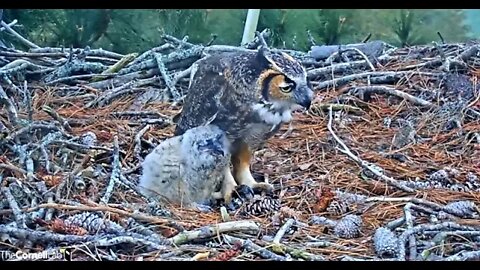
[214,146]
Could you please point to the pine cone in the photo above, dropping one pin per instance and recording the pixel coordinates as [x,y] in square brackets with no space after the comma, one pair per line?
[452,172]
[61,226]
[440,176]
[471,177]
[472,181]
[338,207]
[459,188]
[385,242]
[89,138]
[323,221]
[348,227]
[462,208]
[370,174]
[350,198]
[3,204]
[261,206]
[93,223]
[155,209]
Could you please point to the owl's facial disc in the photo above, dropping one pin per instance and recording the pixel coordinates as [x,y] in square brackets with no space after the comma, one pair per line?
[283,81]
[288,93]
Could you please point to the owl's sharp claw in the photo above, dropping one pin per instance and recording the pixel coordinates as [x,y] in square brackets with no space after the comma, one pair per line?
[226,194]
[244,192]
[235,197]
[241,194]
[263,188]
[245,177]
[228,187]
[231,206]
[227,197]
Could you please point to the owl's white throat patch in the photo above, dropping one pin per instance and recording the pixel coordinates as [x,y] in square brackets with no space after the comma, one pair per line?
[270,115]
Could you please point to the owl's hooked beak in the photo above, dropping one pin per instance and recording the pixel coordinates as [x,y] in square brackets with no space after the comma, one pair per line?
[219,149]
[303,96]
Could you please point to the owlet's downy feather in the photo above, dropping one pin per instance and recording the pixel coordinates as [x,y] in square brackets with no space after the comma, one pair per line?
[187,169]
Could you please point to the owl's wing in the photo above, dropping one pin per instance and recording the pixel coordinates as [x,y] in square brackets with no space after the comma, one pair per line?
[203,100]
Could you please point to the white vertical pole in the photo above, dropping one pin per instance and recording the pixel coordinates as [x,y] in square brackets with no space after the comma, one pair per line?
[250,25]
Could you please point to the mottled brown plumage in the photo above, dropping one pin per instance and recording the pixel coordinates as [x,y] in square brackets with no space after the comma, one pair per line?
[249,95]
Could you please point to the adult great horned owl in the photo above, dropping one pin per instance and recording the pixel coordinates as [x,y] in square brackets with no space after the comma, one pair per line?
[249,95]
[187,169]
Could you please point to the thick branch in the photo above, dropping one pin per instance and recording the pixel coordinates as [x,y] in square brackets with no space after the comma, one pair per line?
[17,35]
[361,90]
[213,230]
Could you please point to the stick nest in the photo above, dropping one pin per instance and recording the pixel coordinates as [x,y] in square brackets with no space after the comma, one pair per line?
[403,166]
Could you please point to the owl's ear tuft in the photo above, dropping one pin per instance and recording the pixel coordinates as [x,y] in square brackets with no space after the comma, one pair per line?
[264,58]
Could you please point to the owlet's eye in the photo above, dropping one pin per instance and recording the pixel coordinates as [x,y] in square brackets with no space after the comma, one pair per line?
[287,88]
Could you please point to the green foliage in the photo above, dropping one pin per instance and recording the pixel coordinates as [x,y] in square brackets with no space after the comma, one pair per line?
[472,18]
[449,22]
[421,26]
[183,22]
[69,27]
[334,24]
[289,27]
[132,31]
[137,30]
[403,26]
[227,24]
[79,28]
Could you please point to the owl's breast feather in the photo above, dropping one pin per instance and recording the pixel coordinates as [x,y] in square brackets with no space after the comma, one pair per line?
[270,116]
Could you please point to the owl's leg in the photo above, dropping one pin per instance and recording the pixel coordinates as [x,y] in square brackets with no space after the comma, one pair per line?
[241,169]
[228,187]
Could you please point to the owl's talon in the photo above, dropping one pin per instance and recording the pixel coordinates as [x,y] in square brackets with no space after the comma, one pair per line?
[243,175]
[227,198]
[228,187]
[244,192]
[231,207]
[263,188]
[237,197]
[222,195]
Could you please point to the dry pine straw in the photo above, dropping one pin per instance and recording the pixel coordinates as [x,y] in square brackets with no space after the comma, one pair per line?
[307,154]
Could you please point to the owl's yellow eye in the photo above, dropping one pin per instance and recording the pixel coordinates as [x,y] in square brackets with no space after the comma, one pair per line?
[286,88]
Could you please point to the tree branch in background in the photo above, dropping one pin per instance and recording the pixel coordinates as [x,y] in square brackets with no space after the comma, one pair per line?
[18,36]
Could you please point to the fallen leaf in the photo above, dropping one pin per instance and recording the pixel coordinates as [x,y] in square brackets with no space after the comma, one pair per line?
[200,256]
[228,254]
[59,226]
[104,136]
[168,232]
[52,180]
[305,166]
[324,197]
